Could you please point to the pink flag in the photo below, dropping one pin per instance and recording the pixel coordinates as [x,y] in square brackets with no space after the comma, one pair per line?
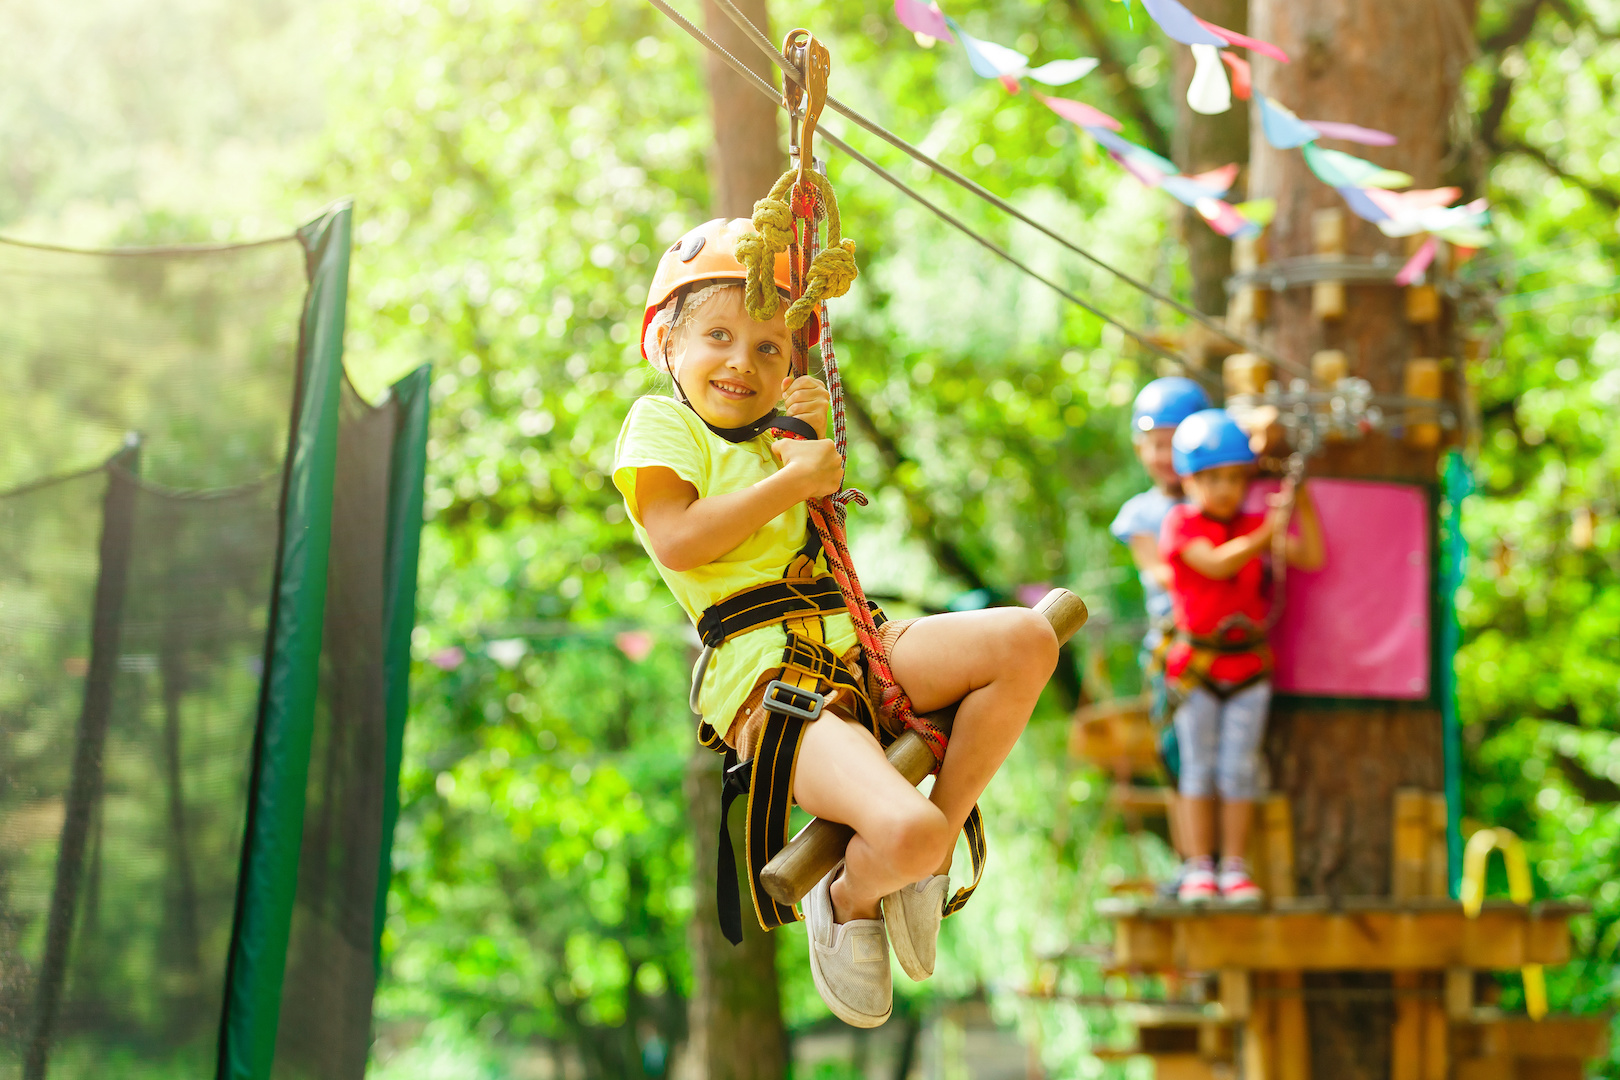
[1232,37]
[1141,170]
[1220,179]
[1224,218]
[921,18]
[1332,129]
[1242,75]
[1078,112]
[1400,204]
[1419,262]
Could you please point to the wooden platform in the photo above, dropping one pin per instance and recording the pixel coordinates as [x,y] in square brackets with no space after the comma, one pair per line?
[1375,934]
[1116,736]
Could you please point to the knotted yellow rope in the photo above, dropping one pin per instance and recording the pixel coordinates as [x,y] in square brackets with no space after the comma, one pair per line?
[831,272]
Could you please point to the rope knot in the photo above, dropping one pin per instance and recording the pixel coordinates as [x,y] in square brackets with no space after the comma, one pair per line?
[757,251]
[831,274]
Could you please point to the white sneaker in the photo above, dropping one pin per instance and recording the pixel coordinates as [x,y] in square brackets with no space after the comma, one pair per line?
[848,961]
[912,916]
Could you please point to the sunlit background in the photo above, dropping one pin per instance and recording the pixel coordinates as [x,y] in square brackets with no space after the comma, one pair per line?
[515,166]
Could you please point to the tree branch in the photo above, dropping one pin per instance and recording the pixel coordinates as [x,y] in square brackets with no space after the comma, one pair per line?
[1587,784]
[1517,31]
[1119,84]
[1609,198]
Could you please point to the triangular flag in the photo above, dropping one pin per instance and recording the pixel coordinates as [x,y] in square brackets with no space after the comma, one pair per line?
[1189,191]
[921,18]
[1144,172]
[1338,169]
[1125,148]
[1255,45]
[1242,75]
[1282,128]
[1405,204]
[1180,24]
[1224,219]
[1259,211]
[1217,180]
[1362,204]
[1208,94]
[1078,112]
[1332,129]
[1063,72]
[1419,262]
[989,60]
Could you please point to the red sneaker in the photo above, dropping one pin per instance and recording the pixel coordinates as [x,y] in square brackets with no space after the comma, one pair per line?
[1239,888]
[1197,885]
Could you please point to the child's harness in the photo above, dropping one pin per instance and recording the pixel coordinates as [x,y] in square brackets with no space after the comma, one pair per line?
[798,602]
[1237,635]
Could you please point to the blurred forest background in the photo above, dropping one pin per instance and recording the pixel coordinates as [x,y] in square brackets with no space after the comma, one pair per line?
[517,166]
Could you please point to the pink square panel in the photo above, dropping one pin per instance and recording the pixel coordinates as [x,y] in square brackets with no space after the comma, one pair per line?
[1359,627]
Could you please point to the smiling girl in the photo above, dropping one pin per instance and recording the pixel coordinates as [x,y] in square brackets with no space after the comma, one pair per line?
[718,501]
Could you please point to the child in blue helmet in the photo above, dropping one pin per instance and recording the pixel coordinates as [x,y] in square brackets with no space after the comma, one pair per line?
[1159,408]
[1219,659]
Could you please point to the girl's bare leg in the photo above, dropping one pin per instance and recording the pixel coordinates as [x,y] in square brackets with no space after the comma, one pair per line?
[842,775]
[995,662]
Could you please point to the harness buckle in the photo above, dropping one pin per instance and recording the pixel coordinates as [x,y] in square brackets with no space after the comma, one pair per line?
[790,700]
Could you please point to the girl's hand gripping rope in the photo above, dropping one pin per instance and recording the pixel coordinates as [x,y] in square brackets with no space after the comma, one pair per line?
[806,398]
[813,463]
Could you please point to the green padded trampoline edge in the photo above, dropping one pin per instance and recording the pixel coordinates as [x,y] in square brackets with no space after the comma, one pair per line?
[406,476]
[275,823]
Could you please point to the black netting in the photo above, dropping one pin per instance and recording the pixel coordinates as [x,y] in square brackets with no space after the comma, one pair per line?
[136,616]
[128,710]
[325,1027]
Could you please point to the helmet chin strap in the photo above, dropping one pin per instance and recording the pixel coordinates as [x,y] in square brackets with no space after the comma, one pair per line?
[732,434]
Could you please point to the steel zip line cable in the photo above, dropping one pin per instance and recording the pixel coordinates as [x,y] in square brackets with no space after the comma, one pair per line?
[761,42]
[944,215]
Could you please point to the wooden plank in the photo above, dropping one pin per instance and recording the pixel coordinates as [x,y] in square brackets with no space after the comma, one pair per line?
[1259,1055]
[1406,1037]
[1236,994]
[1439,849]
[1183,1067]
[1278,838]
[1291,1036]
[1374,940]
[1409,856]
[1436,1041]
[1459,993]
[1575,1037]
[1485,1069]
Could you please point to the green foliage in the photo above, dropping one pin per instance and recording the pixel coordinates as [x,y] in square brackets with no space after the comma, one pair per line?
[517,168]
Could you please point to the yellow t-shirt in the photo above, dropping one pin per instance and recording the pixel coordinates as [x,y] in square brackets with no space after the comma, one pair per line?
[661,431]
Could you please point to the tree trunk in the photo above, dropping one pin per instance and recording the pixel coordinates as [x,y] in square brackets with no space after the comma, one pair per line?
[735,1014]
[1201,143]
[1393,65]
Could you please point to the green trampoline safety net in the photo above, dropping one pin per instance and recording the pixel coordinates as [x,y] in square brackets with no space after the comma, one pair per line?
[207,575]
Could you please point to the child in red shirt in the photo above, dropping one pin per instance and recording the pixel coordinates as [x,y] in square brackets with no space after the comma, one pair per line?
[1220,660]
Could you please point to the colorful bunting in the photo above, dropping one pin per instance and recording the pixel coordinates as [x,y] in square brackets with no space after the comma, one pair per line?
[924,19]
[1419,262]
[1219,180]
[1282,128]
[1079,113]
[1255,45]
[1259,211]
[1338,169]
[1063,72]
[1208,93]
[1242,75]
[989,60]
[1180,24]
[1127,149]
[1362,204]
[1225,219]
[1332,129]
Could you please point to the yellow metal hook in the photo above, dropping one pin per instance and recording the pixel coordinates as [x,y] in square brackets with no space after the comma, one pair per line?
[1476,856]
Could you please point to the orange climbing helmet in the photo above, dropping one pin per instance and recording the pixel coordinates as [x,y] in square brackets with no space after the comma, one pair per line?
[706,254]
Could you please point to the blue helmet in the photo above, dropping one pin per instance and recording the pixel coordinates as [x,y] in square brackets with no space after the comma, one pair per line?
[1166,402]
[1209,439]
